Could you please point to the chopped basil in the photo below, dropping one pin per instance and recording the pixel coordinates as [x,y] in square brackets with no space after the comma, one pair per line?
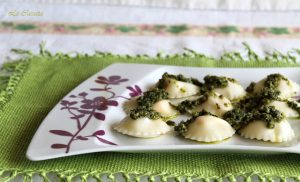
[270,89]
[181,128]
[212,82]
[250,88]
[145,103]
[163,81]
[253,107]
[252,101]
[187,105]
[171,123]
[182,90]
[141,112]
[238,118]
[293,105]
[151,97]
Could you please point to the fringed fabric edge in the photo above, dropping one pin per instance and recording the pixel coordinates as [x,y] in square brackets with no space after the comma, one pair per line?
[100,176]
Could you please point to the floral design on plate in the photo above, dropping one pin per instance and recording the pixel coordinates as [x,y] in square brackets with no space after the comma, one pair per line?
[86,108]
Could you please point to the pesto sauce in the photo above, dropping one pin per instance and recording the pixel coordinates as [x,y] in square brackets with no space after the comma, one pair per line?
[141,112]
[212,82]
[171,123]
[151,97]
[253,106]
[187,105]
[271,84]
[251,102]
[268,114]
[250,88]
[293,105]
[163,81]
[145,103]
[238,117]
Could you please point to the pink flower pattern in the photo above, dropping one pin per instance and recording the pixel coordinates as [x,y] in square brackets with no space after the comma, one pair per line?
[147,29]
[87,108]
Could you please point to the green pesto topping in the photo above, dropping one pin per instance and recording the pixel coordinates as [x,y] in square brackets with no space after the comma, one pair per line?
[212,82]
[187,105]
[271,84]
[171,123]
[268,114]
[182,127]
[250,88]
[251,102]
[293,105]
[182,90]
[163,81]
[270,94]
[253,107]
[270,90]
[151,97]
[141,112]
[238,118]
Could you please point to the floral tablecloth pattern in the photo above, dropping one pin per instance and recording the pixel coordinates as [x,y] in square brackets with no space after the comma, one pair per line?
[147,29]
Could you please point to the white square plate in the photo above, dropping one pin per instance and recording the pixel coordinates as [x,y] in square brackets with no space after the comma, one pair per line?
[82,121]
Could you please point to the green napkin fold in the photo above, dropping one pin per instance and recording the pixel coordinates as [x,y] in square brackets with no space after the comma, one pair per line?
[31,86]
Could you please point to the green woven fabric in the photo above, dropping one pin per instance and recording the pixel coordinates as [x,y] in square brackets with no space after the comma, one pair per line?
[33,85]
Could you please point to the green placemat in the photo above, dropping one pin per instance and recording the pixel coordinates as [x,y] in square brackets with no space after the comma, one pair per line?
[31,86]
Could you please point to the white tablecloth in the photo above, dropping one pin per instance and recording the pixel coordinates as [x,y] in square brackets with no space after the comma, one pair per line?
[128,44]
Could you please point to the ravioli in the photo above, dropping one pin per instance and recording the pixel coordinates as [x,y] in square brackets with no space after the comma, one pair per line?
[261,114]
[284,108]
[178,86]
[176,102]
[282,131]
[142,127]
[232,91]
[208,128]
[179,89]
[225,86]
[130,104]
[165,108]
[216,104]
[286,87]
